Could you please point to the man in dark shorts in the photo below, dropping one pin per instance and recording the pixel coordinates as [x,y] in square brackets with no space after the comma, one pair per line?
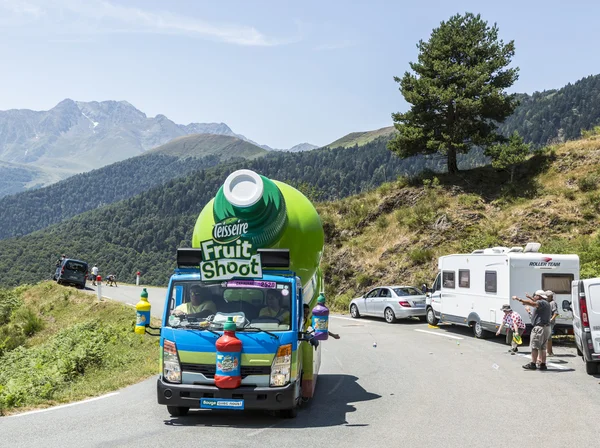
[540,320]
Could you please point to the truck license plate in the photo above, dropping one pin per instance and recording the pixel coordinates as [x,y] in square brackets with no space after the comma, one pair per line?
[221,403]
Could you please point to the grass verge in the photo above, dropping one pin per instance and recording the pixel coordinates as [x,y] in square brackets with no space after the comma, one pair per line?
[59,345]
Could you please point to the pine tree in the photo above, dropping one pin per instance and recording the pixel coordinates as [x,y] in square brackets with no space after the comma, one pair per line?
[509,155]
[457,92]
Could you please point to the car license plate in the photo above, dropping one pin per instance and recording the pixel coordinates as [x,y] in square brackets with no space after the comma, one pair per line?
[221,403]
[419,304]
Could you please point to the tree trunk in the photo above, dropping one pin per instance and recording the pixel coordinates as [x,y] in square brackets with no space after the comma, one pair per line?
[452,164]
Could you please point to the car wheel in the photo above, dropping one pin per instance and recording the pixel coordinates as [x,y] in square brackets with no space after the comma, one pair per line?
[389,315]
[177,411]
[478,331]
[431,319]
[591,368]
[354,311]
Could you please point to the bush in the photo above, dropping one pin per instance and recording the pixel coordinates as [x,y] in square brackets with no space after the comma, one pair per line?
[588,182]
[420,256]
[9,301]
[382,222]
[419,217]
[342,302]
[469,200]
[363,280]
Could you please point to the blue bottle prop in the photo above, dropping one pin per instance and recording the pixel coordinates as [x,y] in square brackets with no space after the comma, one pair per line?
[228,374]
[320,319]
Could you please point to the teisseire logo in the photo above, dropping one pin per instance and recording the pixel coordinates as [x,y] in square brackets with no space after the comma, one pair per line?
[229,230]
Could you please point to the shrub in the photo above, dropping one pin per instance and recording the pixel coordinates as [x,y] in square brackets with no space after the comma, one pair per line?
[342,302]
[382,222]
[469,200]
[419,216]
[363,280]
[569,194]
[588,182]
[420,256]
[9,301]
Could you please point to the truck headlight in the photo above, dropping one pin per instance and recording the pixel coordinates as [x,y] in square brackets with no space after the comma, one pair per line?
[171,366]
[282,366]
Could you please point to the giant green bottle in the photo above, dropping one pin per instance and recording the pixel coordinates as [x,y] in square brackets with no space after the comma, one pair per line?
[278,217]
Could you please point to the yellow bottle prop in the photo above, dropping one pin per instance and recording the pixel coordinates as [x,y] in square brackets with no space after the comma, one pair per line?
[142,311]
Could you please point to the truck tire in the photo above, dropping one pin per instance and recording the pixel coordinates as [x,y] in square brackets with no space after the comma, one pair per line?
[389,315]
[478,331]
[177,411]
[354,311]
[431,319]
[591,368]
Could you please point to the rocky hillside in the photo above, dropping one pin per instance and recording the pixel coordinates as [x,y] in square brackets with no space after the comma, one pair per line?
[395,234]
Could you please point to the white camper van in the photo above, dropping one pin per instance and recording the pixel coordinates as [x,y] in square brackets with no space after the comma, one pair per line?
[470,289]
[586,322]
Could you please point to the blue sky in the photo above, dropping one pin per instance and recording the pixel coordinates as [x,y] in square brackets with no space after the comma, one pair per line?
[278,72]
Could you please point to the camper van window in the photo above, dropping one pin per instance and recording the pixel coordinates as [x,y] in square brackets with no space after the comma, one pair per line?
[558,283]
[448,279]
[464,278]
[491,281]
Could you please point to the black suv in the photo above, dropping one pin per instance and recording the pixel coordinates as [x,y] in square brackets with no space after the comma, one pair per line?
[72,272]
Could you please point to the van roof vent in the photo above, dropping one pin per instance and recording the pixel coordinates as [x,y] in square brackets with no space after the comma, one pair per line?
[478,251]
[532,247]
[516,249]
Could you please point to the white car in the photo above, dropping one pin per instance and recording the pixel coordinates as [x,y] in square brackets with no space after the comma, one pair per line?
[391,303]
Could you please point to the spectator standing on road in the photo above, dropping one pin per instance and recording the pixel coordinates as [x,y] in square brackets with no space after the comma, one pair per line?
[553,316]
[514,325]
[540,320]
[94,274]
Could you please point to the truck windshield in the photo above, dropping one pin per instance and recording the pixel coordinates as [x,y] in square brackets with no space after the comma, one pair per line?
[262,305]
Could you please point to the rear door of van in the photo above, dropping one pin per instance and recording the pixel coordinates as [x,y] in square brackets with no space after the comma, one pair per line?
[592,296]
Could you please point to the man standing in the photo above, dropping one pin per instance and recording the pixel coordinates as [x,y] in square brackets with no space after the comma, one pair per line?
[514,325]
[540,320]
[94,274]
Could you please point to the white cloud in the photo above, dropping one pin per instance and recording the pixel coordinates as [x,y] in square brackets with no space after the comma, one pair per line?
[104,16]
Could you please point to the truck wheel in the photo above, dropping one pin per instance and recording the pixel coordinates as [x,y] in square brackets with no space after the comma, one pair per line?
[289,413]
[177,411]
[431,319]
[478,331]
[354,311]
[389,315]
[591,368]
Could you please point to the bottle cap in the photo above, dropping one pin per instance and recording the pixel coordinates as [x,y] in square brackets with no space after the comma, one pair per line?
[144,293]
[229,325]
[321,298]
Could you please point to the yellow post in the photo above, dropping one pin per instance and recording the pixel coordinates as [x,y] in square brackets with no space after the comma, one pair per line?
[142,311]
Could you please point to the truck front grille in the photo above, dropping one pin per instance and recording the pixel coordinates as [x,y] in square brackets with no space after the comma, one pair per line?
[208,370]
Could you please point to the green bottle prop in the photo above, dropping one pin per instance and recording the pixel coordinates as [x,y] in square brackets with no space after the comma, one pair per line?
[278,217]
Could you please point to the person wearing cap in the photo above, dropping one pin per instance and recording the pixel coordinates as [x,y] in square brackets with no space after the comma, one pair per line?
[199,303]
[514,325]
[540,320]
[274,308]
[553,316]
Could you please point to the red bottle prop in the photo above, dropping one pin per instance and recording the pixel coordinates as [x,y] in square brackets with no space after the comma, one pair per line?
[320,319]
[229,358]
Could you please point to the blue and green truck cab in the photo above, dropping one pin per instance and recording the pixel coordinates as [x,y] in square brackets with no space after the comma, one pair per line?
[255,259]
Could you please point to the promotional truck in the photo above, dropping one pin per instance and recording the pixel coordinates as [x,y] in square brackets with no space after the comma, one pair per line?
[233,330]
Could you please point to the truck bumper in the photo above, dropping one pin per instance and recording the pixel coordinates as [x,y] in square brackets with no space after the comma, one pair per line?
[189,395]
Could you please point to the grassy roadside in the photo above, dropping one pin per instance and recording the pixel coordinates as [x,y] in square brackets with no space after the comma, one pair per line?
[58,345]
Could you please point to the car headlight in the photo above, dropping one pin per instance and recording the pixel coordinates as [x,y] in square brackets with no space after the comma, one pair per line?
[171,366]
[282,366]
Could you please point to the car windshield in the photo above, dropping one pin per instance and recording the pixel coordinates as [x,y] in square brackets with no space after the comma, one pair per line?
[254,305]
[74,266]
[407,291]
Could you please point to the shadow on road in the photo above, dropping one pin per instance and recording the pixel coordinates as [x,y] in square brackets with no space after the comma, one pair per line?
[333,397]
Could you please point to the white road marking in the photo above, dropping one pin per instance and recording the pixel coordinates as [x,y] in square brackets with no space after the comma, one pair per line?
[255,433]
[54,408]
[549,364]
[352,319]
[445,335]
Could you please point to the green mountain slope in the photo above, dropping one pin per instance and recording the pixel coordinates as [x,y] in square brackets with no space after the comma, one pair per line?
[361,138]
[144,232]
[557,115]
[33,210]
[201,145]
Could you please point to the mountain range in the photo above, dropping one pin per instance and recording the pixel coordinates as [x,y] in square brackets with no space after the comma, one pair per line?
[39,148]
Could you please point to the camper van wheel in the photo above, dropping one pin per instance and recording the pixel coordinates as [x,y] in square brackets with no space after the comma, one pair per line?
[390,317]
[354,311]
[591,368]
[177,411]
[431,319]
[478,331]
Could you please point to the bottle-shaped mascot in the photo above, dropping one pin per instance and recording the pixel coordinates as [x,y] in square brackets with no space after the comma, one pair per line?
[142,311]
[320,319]
[229,358]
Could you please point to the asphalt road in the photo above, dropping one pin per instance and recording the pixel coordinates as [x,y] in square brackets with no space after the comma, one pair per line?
[419,387]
